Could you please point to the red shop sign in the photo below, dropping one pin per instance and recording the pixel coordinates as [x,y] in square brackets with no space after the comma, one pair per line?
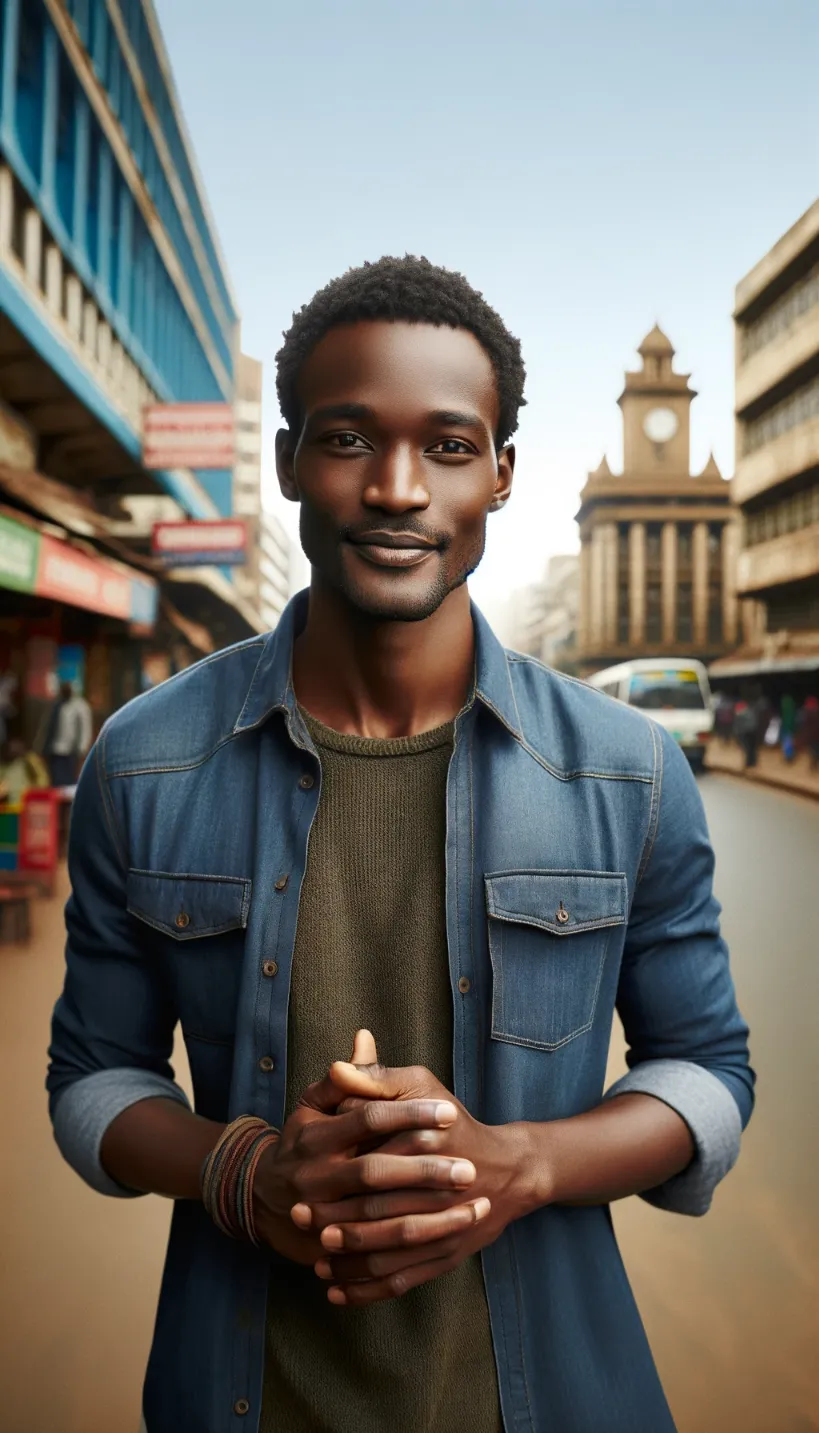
[67,575]
[38,831]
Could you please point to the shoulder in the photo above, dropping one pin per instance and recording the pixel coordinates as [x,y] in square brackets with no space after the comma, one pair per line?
[183,720]
[577,730]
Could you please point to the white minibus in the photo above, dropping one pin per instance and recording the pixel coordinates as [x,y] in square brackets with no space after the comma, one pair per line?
[673,691]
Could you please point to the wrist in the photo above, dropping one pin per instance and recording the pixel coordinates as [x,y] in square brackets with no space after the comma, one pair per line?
[533,1179]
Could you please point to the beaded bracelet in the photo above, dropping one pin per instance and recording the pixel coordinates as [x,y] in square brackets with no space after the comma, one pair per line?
[229,1172]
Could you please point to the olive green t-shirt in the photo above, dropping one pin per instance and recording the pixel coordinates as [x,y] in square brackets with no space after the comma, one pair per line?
[371,952]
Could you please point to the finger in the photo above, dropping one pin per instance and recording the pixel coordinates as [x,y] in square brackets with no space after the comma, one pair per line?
[373,1120]
[322,1182]
[387,1205]
[400,1234]
[346,1269]
[418,1141]
[371,1082]
[355,1295]
[364,1051]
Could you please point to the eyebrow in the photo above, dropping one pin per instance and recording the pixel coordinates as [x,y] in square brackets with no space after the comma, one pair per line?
[354,411]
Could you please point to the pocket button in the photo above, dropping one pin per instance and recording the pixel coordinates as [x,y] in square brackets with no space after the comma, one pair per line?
[183,920]
[561,914]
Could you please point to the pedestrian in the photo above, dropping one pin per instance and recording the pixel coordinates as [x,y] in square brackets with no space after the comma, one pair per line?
[787,731]
[494,861]
[20,771]
[69,736]
[746,731]
[808,729]
[723,717]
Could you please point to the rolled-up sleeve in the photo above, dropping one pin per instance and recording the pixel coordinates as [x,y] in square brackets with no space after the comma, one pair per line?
[687,1041]
[113,1025]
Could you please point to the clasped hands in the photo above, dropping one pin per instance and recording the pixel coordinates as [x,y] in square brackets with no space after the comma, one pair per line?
[383,1180]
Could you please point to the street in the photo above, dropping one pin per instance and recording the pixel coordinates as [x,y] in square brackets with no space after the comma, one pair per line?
[730,1302]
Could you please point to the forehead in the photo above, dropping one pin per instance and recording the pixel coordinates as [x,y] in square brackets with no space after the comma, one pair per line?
[402,368]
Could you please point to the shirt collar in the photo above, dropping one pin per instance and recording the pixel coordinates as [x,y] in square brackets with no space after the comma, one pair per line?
[271,688]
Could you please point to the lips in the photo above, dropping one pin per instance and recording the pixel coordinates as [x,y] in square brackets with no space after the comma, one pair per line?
[393,549]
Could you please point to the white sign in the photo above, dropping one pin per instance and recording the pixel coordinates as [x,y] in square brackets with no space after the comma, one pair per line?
[188,435]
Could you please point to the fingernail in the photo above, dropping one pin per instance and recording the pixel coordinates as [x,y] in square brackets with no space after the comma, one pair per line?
[445,1113]
[302,1215]
[462,1172]
[336,1296]
[482,1208]
[323,1269]
[332,1238]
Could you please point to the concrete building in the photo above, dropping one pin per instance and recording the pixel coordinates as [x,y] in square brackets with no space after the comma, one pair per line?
[658,545]
[542,619]
[265,581]
[776,483]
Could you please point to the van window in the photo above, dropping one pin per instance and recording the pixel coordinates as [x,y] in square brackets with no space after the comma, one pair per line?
[675,690]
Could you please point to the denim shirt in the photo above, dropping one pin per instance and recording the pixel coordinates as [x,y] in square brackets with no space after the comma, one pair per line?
[578,878]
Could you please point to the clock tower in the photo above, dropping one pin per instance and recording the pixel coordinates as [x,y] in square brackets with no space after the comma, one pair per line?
[657,542]
[656,407]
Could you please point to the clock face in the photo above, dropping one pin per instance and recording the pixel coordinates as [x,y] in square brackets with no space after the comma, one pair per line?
[660,425]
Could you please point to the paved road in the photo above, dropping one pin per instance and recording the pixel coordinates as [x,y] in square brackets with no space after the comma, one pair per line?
[730,1302]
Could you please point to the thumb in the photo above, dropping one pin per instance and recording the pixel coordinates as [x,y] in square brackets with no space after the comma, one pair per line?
[364,1051]
[369,1082]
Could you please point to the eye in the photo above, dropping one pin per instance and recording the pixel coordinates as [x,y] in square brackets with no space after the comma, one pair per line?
[452,448]
[348,440]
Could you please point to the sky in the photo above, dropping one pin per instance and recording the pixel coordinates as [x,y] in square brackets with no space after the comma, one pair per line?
[593,166]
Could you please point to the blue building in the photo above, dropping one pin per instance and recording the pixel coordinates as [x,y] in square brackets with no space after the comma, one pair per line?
[110,271]
[113,296]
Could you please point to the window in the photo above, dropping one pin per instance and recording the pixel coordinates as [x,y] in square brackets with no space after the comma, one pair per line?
[685,612]
[654,583]
[622,584]
[781,315]
[29,92]
[799,407]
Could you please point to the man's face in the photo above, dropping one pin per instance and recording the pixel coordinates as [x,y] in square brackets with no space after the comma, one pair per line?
[395,465]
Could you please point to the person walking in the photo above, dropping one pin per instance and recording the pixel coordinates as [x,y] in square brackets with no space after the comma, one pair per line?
[376,827]
[787,731]
[808,729]
[69,736]
[746,731]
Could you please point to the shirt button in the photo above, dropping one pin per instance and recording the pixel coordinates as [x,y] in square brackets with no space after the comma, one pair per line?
[183,920]
[267,1063]
[562,914]
[307,782]
[281,883]
[241,1406]
[464,985]
[270,968]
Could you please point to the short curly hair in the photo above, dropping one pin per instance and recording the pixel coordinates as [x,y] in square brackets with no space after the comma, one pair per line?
[416,291]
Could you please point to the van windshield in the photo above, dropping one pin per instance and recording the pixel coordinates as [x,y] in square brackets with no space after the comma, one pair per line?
[677,690]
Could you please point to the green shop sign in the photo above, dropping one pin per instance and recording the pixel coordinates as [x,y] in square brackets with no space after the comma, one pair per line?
[19,552]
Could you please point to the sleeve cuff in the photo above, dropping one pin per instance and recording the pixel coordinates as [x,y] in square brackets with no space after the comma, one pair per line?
[86,1109]
[713,1117]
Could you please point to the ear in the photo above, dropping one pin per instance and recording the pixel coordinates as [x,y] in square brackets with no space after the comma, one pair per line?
[286,465]
[503,482]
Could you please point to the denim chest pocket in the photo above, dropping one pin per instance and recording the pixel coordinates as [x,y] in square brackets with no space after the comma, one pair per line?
[188,907]
[548,936]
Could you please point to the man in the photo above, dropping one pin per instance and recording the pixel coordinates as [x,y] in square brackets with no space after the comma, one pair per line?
[69,736]
[376,819]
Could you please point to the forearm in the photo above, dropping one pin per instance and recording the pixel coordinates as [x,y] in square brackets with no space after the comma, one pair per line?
[158,1147]
[629,1144]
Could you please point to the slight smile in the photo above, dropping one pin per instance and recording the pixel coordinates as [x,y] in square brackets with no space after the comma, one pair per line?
[393,549]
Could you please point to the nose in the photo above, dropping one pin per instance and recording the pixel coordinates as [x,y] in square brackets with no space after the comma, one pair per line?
[397,484]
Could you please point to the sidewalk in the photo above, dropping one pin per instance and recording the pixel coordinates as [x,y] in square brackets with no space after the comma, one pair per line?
[80,1273]
[772,769]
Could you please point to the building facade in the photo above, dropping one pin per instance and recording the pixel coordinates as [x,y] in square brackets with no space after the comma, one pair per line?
[265,580]
[776,483]
[543,616]
[113,296]
[658,544]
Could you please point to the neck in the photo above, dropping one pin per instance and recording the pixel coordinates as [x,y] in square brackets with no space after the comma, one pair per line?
[383,679]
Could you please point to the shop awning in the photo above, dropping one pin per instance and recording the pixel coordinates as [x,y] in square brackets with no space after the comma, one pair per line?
[36,558]
[758,661]
[205,594]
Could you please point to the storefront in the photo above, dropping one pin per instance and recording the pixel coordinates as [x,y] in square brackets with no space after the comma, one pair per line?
[67,613]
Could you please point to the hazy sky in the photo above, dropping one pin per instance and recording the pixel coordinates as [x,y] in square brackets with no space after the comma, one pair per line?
[591,165]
